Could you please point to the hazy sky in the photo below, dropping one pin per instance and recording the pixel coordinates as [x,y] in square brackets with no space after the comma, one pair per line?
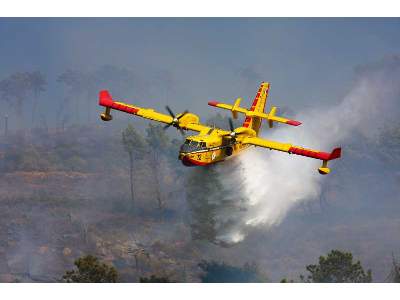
[307,61]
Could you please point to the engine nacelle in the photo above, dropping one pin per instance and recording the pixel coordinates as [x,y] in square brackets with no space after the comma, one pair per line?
[188,118]
[228,151]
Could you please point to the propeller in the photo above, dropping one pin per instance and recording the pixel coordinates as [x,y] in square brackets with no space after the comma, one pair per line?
[175,120]
[231,125]
[232,134]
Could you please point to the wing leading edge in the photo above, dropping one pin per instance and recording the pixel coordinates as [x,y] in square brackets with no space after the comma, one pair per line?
[188,122]
[289,148]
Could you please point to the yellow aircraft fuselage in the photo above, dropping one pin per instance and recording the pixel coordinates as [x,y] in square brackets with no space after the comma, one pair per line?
[201,150]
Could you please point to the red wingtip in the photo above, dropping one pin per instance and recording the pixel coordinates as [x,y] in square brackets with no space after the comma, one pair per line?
[293,122]
[213,103]
[336,153]
[105,98]
[315,154]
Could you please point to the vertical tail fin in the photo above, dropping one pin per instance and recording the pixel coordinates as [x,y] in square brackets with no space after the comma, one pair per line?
[258,105]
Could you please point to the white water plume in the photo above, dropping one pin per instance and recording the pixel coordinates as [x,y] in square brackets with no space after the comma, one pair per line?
[274,182]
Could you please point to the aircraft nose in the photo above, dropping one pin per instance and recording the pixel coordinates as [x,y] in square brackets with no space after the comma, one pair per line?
[186,161]
[184,157]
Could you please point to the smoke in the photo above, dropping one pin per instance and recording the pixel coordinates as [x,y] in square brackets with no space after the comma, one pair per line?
[273,182]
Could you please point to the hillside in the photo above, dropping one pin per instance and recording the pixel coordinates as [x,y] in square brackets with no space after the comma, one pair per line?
[65,194]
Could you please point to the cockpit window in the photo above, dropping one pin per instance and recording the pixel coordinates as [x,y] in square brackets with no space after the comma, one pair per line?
[190,146]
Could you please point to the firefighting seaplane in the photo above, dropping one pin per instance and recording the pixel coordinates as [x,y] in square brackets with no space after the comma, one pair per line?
[213,145]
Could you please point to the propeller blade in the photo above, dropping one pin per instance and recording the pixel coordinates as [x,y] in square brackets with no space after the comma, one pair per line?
[174,122]
[170,112]
[184,113]
[231,125]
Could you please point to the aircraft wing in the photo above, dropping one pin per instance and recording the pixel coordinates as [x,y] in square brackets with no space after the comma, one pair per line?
[189,122]
[292,149]
[267,144]
[196,127]
[289,148]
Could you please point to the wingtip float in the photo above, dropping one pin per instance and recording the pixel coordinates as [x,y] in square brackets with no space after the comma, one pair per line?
[213,145]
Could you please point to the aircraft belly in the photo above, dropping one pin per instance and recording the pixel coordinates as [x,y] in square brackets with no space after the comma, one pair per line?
[202,158]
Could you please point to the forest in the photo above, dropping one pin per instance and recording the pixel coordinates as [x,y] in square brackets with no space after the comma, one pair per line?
[86,201]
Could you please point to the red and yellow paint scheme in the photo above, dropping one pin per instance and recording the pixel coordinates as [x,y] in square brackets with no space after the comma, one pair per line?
[213,145]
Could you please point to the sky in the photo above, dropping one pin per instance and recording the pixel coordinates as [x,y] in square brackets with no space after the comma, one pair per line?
[306,60]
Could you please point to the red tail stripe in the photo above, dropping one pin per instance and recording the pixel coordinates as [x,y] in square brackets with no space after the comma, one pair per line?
[247,121]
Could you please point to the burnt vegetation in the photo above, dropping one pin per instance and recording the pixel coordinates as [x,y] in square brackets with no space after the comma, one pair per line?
[84,201]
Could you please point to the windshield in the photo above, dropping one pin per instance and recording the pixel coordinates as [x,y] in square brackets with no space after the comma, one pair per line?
[190,146]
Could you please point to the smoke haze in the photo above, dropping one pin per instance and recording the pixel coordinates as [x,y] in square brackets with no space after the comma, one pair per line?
[65,193]
[273,182]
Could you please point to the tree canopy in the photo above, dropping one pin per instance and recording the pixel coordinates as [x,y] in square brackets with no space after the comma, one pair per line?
[222,272]
[132,141]
[154,279]
[157,138]
[90,270]
[15,88]
[394,275]
[337,267]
